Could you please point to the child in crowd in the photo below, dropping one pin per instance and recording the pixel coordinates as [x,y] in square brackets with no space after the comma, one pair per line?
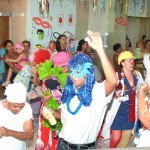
[19,62]
[52,47]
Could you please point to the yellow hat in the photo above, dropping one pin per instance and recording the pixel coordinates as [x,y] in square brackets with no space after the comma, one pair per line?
[125,55]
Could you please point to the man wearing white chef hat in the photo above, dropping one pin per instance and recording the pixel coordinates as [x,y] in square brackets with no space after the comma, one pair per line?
[15,118]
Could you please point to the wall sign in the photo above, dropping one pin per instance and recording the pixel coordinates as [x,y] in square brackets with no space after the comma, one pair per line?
[70,19]
[60,19]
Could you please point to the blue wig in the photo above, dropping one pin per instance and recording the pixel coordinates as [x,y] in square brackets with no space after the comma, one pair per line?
[84,93]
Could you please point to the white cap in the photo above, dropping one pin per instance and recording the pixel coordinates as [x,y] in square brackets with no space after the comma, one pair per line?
[16,93]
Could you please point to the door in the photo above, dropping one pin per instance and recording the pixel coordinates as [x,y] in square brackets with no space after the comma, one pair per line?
[4,28]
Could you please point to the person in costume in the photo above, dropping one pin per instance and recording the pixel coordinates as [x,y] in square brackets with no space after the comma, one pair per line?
[19,62]
[63,45]
[15,118]
[53,79]
[121,116]
[83,101]
[144,116]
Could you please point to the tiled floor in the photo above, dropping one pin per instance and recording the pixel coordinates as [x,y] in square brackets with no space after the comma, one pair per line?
[31,143]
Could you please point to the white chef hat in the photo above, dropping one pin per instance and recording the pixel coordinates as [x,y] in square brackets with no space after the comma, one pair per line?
[16,93]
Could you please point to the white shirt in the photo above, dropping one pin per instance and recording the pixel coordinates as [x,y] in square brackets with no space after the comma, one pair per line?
[13,122]
[84,127]
[146,63]
[143,140]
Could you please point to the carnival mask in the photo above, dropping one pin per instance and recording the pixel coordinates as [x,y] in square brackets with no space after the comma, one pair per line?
[53,85]
[40,34]
[80,71]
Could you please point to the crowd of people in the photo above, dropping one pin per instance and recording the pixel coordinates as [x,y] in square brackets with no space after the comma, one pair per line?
[73,108]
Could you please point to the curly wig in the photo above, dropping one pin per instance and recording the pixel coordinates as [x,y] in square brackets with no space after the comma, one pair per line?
[40,56]
[84,93]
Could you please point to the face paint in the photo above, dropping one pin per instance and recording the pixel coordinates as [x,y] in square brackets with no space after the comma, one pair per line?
[132,63]
[80,71]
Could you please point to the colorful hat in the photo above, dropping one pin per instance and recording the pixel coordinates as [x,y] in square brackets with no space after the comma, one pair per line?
[16,93]
[19,45]
[125,55]
[61,58]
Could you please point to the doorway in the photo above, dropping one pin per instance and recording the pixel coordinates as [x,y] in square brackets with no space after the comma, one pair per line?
[4,28]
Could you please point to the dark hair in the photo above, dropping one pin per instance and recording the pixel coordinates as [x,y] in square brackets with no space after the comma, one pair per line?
[147,41]
[8,41]
[116,46]
[25,41]
[40,30]
[58,46]
[144,36]
[129,41]
[80,43]
[52,41]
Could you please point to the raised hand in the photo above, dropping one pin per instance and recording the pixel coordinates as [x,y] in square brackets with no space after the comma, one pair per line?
[67,45]
[94,40]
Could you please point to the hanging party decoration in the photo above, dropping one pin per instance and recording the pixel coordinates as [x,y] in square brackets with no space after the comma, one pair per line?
[56,35]
[95,4]
[43,6]
[70,20]
[40,34]
[121,21]
[40,22]
[142,6]
[126,7]
[136,7]
[47,6]
[122,6]
[85,4]
[60,19]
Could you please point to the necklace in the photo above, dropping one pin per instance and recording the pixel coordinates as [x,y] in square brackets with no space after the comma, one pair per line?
[76,110]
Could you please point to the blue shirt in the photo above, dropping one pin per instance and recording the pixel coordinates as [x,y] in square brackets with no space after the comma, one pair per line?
[2,64]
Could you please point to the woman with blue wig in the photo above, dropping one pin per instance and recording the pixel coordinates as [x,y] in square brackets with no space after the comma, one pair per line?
[84,102]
